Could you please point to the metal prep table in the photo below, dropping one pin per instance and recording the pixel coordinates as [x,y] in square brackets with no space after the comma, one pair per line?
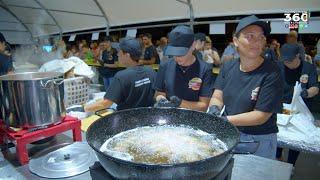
[245,166]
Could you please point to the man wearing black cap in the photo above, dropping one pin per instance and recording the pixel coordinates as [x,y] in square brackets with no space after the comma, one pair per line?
[294,69]
[5,61]
[183,81]
[131,87]
[250,89]
[108,62]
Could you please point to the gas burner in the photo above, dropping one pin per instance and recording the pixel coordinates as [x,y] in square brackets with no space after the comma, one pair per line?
[27,136]
[97,172]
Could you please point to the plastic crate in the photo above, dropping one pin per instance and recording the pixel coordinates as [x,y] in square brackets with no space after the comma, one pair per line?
[76,91]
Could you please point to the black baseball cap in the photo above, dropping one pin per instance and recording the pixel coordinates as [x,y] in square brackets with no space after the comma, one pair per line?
[253,20]
[131,46]
[289,51]
[180,41]
[2,39]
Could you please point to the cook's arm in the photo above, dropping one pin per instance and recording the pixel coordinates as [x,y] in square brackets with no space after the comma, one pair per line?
[312,91]
[217,99]
[110,65]
[216,58]
[148,62]
[200,105]
[252,118]
[102,104]
[159,95]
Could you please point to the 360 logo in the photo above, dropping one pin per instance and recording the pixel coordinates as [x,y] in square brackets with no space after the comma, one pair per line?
[296,20]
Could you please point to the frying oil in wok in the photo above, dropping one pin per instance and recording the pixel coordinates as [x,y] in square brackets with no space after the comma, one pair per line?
[163,145]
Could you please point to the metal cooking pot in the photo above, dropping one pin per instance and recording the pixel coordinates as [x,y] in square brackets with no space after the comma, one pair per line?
[32,99]
[120,121]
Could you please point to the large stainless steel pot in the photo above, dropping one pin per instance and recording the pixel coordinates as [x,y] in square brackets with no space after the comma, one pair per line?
[32,99]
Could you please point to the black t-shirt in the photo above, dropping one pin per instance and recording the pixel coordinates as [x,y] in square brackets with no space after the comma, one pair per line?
[306,74]
[132,88]
[108,57]
[188,83]
[270,54]
[5,64]
[260,89]
[150,52]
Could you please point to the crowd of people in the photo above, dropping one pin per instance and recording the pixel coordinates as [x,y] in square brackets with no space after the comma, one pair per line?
[255,77]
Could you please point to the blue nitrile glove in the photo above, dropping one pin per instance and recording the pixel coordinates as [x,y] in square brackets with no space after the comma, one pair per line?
[214,110]
[304,93]
[76,108]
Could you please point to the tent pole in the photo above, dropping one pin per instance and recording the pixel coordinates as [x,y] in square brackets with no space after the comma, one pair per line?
[105,17]
[5,7]
[189,4]
[53,18]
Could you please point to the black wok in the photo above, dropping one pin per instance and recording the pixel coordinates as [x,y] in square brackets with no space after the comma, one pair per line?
[120,121]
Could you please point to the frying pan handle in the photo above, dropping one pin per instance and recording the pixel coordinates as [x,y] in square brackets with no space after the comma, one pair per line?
[253,148]
[98,112]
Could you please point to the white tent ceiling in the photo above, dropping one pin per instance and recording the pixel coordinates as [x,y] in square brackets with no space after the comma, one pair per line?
[22,20]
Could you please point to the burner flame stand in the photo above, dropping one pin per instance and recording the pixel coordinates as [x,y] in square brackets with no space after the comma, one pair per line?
[26,136]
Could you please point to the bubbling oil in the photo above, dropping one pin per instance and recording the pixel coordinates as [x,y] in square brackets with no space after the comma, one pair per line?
[165,144]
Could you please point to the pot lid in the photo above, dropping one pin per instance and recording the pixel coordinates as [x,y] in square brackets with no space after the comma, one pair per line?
[65,162]
[30,76]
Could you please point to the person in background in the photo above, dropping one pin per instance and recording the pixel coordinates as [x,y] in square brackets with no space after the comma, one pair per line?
[108,62]
[229,53]
[210,54]
[307,57]
[95,50]
[275,46]
[249,87]
[132,87]
[149,55]
[6,66]
[270,52]
[161,48]
[87,54]
[185,80]
[199,39]
[294,69]
[292,38]
[317,56]
[80,45]
[72,50]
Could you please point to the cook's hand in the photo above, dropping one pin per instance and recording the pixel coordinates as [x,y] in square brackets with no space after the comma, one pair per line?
[76,108]
[176,102]
[304,93]
[224,118]
[214,110]
[163,102]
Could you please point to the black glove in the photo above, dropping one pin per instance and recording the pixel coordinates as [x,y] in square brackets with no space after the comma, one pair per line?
[224,118]
[304,93]
[214,110]
[161,103]
[174,102]
[77,108]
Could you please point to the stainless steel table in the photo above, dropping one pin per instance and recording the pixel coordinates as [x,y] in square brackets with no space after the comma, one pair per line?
[245,167]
